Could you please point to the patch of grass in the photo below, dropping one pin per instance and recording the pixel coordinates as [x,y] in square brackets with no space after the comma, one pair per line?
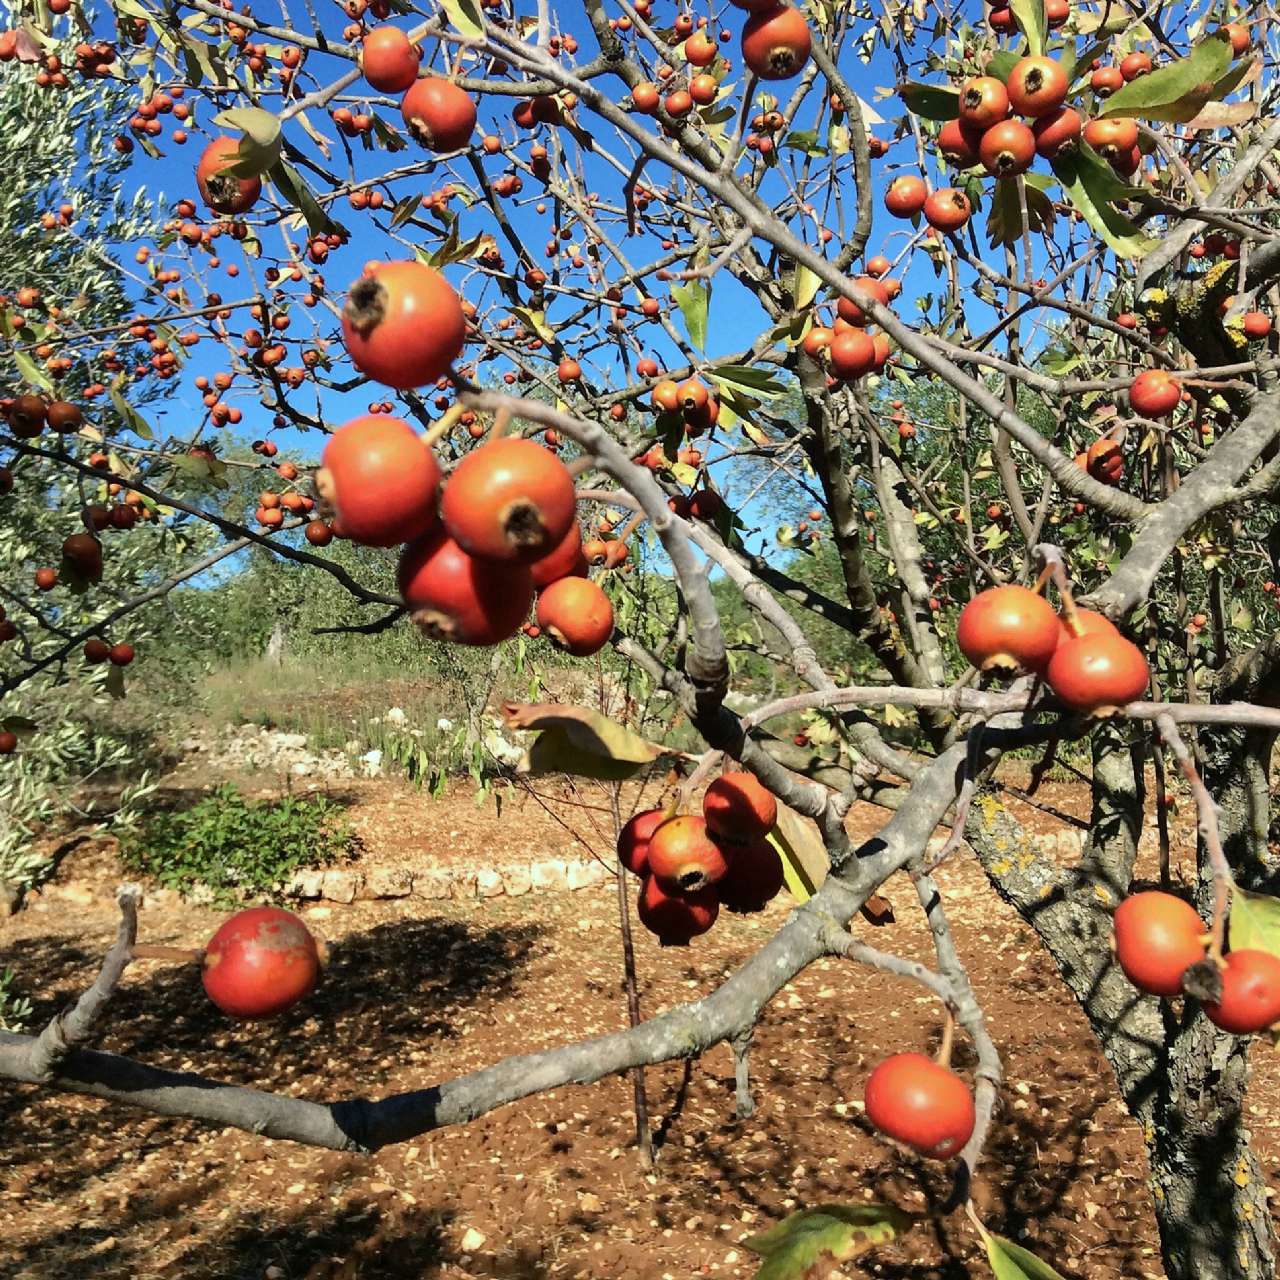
[237,848]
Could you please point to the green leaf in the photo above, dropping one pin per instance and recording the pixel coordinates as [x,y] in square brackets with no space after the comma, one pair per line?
[799,1244]
[804,856]
[694,300]
[294,187]
[18,724]
[31,372]
[536,321]
[114,683]
[1090,185]
[1255,922]
[260,126]
[132,418]
[760,382]
[804,288]
[932,101]
[1031,20]
[464,17]
[1176,91]
[1003,62]
[1011,1261]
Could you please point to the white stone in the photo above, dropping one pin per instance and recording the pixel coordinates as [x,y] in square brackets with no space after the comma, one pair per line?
[432,884]
[305,884]
[389,882]
[551,874]
[342,886]
[489,883]
[516,881]
[582,875]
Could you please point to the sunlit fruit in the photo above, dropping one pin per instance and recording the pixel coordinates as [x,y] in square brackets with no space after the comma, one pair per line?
[958,141]
[984,101]
[389,59]
[260,963]
[576,616]
[1158,938]
[562,561]
[1250,993]
[225,192]
[1007,148]
[948,209]
[1008,627]
[439,114]
[510,499]
[1057,133]
[1098,672]
[738,806]
[906,196]
[852,353]
[1036,86]
[776,43]
[922,1104]
[461,598]
[684,857]
[382,480]
[403,324]
[850,312]
[1105,461]
[1154,393]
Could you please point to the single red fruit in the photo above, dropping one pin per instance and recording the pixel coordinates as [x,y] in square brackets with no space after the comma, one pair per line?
[852,353]
[1111,137]
[65,417]
[1105,81]
[460,598]
[318,533]
[683,856]
[9,743]
[1098,672]
[920,1103]
[738,806]
[576,615]
[984,101]
[1057,133]
[382,480]
[676,918]
[224,192]
[403,324]
[1134,65]
[389,59]
[755,877]
[958,141]
[567,560]
[439,114]
[1007,149]
[1256,324]
[1105,461]
[1158,938]
[260,962]
[27,416]
[510,499]
[1008,627]
[633,840]
[96,650]
[1250,993]
[1037,86]
[776,43]
[948,209]
[121,655]
[906,196]
[1154,393]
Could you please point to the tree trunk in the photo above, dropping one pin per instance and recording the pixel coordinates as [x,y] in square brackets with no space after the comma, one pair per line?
[275,644]
[1183,1082]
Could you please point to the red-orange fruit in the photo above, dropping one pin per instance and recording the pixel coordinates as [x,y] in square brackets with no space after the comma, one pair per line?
[1037,86]
[948,209]
[906,196]
[1250,993]
[683,856]
[850,312]
[1158,938]
[260,963]
[389,59]
[96,650]
[121,655]
[852,353]
[922,1104]
[1105,461]
[776,43]
[565,560]
[27,416]
[224,192]
[1098,672]
[461,598]
[1088,622]
[676,918]
[403,324]
[633,840]
[1004,628]
[576,616]
[439,114]
[1154,393]
[510,499]
[738,806]
[382,479]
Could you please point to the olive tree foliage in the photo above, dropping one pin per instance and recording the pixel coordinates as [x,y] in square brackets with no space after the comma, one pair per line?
[593,230]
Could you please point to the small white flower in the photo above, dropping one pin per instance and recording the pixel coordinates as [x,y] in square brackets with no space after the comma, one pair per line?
[444,725]
[396,716]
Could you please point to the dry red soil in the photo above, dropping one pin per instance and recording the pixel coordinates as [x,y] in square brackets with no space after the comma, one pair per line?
[551,1187]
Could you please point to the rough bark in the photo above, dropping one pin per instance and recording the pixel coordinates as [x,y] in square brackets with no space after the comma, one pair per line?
[1181,1080]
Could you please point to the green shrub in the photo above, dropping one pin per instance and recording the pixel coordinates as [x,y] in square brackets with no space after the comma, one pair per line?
[237,848]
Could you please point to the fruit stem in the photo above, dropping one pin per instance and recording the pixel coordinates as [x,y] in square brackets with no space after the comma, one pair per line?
[183,955]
